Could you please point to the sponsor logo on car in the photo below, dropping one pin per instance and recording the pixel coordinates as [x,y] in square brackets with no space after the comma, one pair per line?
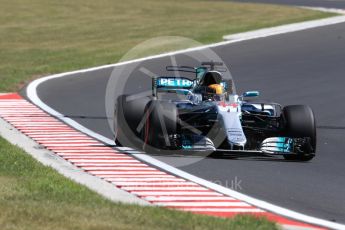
[174,82]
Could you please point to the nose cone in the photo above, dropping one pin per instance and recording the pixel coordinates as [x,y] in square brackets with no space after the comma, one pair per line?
[236,137]
[233,127]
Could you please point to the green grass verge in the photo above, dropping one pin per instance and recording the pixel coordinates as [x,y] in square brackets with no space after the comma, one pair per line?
[36,197]
[39,37]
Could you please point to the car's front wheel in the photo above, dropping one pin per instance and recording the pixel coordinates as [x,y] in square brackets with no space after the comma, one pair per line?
[300,123]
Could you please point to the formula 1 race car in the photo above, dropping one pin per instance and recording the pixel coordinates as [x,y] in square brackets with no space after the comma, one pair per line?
[205,114]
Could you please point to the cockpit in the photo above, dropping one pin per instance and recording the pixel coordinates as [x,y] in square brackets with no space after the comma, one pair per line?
[211,86]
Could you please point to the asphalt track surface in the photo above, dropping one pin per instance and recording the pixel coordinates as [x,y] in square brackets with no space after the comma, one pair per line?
[289,69]
[340,4]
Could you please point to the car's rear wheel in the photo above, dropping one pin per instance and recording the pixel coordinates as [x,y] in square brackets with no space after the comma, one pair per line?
[300,123]
[128,114]
[160,127]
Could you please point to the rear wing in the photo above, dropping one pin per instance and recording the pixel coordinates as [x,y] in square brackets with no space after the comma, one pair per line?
[170,84]
[211,65]
[175,84]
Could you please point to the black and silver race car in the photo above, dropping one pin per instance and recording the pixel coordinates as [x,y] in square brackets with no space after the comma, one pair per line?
[206,115]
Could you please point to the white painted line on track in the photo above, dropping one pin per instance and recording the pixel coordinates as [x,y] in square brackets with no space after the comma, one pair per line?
[123,148]
[323,9]
[286,28]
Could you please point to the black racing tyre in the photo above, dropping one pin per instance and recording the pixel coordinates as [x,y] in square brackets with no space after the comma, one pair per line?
[300,122]
[128,114]
[160,126]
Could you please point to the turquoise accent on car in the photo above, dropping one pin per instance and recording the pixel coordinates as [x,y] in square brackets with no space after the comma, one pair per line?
[186,144]
[200,71]
[283,145]
[251,94]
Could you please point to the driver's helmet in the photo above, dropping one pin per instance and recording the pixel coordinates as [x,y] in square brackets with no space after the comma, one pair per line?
[216,92]
[217,89]
[211,82]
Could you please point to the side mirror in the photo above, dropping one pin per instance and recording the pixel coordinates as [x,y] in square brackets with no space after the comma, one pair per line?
[251,94]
